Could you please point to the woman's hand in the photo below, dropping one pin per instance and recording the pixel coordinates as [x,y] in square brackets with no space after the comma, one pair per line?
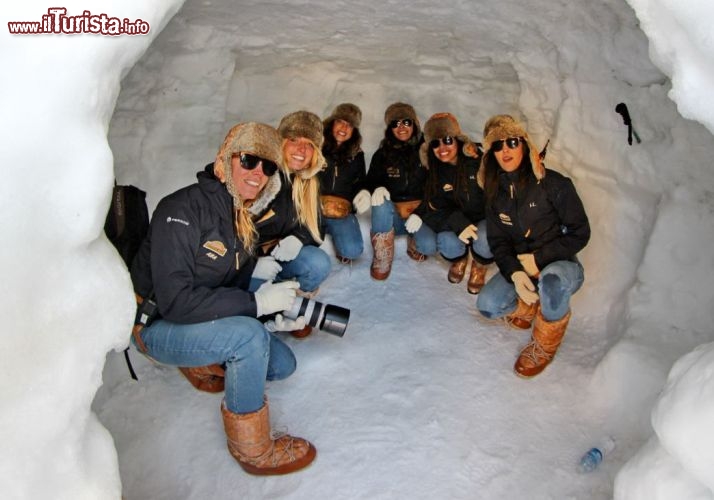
[413,223]
[266,268]
[529,264]
[524,287]
[287,249]
[380,194]
[282,324]
[362,201]
[468,234]
[275,297]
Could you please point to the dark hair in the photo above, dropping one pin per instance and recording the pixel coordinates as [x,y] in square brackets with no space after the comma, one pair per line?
[493,170]
[431,187]
[344,152]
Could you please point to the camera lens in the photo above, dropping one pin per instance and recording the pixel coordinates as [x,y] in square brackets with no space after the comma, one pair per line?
[326,317]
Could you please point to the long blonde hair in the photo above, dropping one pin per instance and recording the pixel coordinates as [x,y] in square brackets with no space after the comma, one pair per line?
[306,192]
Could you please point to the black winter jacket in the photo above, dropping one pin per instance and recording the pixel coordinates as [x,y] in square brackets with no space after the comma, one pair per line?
[449,210]
[191,260]
[343,179]
[398,168]
[545,218]
[281,220]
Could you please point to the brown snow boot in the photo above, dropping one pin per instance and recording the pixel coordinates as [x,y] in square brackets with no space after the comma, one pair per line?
[412,250]
[458,269]
[477,277]
[302,333]
[205,378]
[547,336]
[252,445]
[522,316]
[383,255]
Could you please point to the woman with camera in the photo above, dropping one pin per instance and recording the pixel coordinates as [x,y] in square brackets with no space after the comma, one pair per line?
[536,226]
[452,217]
[396,179]
[196,264]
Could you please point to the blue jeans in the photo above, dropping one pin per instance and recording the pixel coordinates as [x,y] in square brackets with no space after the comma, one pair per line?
[385,218]
[451,247]
[311,266]
[250,353]
[346,236]
[558,281]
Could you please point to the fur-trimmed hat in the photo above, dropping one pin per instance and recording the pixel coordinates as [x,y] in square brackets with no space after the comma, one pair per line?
[500,127]
[440,125]
[399,111]
[258,139]
[308,125]
[348,112]
[302,124]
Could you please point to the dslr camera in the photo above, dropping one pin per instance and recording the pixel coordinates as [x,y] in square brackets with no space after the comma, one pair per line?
[326,317]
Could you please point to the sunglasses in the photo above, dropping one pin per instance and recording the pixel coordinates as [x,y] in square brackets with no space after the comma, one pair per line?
[407,122]
[511,142]
[447,141]
[249,162]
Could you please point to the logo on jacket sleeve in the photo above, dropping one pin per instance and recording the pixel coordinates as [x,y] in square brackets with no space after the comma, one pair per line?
[505,219]
[170,219]
[216,247]
[447,188]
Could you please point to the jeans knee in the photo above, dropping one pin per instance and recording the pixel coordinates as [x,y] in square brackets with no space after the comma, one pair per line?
[321,266]
[486,306]
[552,293]
[250,340]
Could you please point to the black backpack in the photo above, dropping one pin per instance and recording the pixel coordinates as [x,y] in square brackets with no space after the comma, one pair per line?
[127,221]
[126,227]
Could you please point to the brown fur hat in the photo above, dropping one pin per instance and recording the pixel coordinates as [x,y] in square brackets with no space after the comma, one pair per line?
[439,126]
[500,127]
[308,125]
[399,111]
[258,139]
[348,112]
[302,124]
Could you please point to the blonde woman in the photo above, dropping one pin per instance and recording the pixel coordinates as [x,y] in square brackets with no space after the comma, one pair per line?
[291,230]
[196,264]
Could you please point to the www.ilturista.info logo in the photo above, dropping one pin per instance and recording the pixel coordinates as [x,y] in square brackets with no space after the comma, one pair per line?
[57,22]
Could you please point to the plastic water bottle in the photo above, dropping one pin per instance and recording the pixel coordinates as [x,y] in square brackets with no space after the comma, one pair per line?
[593,457]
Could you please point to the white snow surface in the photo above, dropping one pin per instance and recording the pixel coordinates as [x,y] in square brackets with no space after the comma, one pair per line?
[418,399]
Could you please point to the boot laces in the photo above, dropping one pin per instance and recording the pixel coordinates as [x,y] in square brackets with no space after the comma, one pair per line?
[382,251]
[535,353]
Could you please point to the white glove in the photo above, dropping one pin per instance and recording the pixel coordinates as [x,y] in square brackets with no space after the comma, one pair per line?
[282,324]
[529,264]
[524,287]
[362,201]
[266,269]
[274,297]
[287,249]
[380,194]
[471,232]
[413,223]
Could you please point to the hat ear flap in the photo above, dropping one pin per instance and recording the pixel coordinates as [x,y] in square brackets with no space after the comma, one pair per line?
[219,169]
[424,155]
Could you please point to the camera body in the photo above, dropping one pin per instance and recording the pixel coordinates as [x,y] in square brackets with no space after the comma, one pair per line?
[326,317]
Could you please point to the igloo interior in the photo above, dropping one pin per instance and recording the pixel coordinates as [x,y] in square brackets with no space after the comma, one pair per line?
[409,404]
